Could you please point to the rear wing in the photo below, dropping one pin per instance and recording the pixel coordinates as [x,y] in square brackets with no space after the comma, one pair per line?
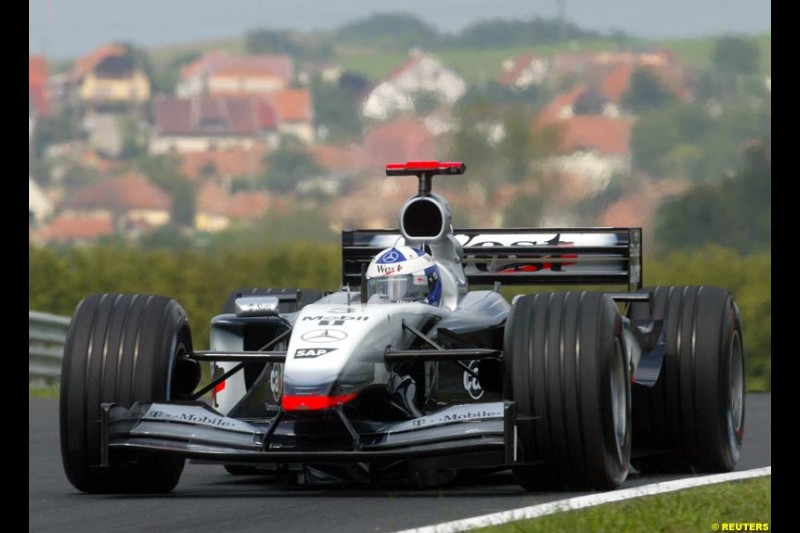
[521,256]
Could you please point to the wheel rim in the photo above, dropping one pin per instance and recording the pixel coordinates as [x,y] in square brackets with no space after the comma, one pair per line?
[736,391]
[619,395]
[276,381]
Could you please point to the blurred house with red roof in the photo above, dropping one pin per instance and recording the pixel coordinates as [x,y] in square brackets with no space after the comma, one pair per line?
[224,166]
[219,74]
[422,73]
[109,78]
[74,228]
[131,200]
[592,147]
[525,71]
[639,208]
[400,140]
[295,113]
[217,209]
[202,123]
[590,137]
[339,160]
[609,72]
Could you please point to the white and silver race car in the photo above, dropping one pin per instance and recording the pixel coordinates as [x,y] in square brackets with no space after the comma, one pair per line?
[409,374]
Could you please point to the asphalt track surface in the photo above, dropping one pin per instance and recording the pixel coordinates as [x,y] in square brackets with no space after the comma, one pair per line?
[209,499]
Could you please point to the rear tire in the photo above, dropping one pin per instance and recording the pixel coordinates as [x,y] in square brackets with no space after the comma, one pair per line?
[121,348]
[566,367]
[695,412]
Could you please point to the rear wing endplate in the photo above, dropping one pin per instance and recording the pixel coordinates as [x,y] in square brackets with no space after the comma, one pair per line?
[521,256]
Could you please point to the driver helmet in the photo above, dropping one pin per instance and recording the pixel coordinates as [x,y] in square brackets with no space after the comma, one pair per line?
[404,274]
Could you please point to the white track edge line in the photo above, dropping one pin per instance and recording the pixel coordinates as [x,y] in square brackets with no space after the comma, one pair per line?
[580,502]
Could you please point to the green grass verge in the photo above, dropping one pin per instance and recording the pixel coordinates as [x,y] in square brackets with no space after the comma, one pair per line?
[476,65]
[698,509]
[697,53]
[162,55]
[39,391]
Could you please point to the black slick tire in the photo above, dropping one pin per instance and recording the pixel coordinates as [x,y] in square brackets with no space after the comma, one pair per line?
[692,420]
[565,367]
[121,348]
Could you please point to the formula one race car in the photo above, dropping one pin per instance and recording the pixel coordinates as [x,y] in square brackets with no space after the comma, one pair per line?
[406,374]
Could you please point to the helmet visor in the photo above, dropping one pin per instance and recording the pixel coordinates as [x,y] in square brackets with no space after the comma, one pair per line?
[398,288]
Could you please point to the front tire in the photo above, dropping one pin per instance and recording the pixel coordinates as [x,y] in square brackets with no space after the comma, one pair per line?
[567,371]
[121,348]
[694,415]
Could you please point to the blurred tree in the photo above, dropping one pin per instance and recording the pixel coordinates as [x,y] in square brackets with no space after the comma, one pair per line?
[735,212]
[309,225]
[500,33]
[303,49]
[652,136]
[517,150]
[184,203]
[747,276]
[736,56]
[525,211]
[289,165]
[168,75]
[426,102]
[389,30]
[77,175]
[169,237]
[335,110]
[134,140]
[685,140]
[64,124]
[164,171]
[262,41]
[647,91]
[469,142]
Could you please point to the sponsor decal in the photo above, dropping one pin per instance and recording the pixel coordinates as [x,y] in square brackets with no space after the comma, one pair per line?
[504,263]
[258,307]
[392,256]
[324,335]
[193,418]
[388,269]
[471,383]
[307,353]
[334,320]
[457,416]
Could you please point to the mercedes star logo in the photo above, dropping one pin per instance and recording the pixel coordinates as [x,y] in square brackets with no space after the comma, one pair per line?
[324,335]
[391,257]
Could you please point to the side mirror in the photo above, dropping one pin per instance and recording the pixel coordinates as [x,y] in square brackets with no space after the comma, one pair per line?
[256,306]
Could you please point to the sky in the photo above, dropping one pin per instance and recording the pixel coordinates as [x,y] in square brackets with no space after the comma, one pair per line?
[64,29]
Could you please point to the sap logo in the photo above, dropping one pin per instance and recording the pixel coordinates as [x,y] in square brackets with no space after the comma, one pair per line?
[307,353]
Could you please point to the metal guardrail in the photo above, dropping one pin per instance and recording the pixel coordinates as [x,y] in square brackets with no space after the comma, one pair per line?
[46,336]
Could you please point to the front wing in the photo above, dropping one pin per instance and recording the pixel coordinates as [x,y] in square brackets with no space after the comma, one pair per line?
[196,431]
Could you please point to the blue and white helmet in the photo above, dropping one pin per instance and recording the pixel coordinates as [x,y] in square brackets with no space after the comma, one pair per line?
[404,274]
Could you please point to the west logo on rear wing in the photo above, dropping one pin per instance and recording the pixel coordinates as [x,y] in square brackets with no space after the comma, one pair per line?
[522,256]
